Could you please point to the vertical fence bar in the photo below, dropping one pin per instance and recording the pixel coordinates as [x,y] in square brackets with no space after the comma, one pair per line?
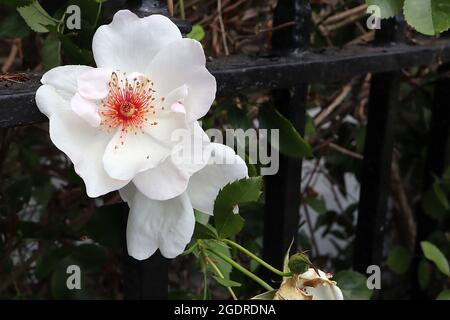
[281,217]
[147,279]
[375,178]
[438,155]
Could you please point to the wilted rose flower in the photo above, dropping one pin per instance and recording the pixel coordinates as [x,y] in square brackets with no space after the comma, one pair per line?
[309,286]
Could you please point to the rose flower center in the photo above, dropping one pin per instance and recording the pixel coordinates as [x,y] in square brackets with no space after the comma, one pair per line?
[129,104]
[127,109]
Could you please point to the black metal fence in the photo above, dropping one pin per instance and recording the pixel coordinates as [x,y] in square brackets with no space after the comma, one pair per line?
[288,70]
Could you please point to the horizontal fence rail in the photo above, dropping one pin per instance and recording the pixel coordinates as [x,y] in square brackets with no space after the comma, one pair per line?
[242,73]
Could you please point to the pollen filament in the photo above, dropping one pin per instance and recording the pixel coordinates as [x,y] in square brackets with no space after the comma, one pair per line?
[128,105]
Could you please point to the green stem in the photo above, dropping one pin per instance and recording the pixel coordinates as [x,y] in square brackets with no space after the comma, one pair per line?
[249,274]
[220,274]
[256,258]
[182,12]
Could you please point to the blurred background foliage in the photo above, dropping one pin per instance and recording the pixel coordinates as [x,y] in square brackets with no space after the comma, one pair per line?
[47,222]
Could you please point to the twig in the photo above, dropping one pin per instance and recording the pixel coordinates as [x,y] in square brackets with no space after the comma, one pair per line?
[311,229]
[170,6]
[12,55]
[20,269]
[344,15]
[345,151]
[222,27]
[333,105]
[276,28]
[220,274]
[405,214]
[308,217]
[341,24]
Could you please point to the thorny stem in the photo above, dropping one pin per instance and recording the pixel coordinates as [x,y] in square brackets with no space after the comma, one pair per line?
[256,258]
[249,274]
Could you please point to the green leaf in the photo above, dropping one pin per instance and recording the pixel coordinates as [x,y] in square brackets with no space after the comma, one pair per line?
[432,206]
[89,256]
[223,266]
[423,273]
[51,51]
[388,8]
[226,282]
[291,142]
[429,17]
[73,53]
[197,33]
[399,259]
[440,194]
[49,260]
[310,128]
[13,27]
[316,204]
[226,221]
[201,217]
[353,285]
[268,295]
[435,255]
[444,295]
[36,17]
[16,3]
[204,231]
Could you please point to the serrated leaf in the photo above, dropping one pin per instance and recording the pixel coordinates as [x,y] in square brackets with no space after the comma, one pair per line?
[197,33]
[227,222]
[388,8]
[429,17]
[226,282]
[399,259]
[291,142]
[36,17]
[435,255]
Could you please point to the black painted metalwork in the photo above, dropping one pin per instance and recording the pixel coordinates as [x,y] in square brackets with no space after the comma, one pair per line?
[282,190]
[376,170]
[242,73]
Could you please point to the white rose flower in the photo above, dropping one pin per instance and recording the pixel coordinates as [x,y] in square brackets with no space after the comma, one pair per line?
[309,286]
[116,123]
